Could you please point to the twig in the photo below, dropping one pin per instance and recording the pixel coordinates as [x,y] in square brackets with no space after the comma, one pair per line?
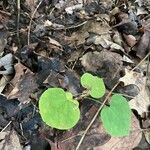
[29,28]
[95,116]
[76,26]
[5,13]
[141,61]
[6,126]
[147,70]
[18,21]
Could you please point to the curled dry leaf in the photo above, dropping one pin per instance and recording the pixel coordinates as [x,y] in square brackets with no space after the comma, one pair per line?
[140,102]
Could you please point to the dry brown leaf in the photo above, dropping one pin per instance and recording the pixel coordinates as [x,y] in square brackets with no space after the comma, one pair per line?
[19,72]
[124,143]
[94,27]
[54,42]
[93,61]
[7,62]
[3,82]
[147,135]
[142,101]
[24,87]
[9,141]
[143,45]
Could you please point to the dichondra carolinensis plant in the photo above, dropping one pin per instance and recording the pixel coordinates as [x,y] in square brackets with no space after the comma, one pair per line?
[60,110]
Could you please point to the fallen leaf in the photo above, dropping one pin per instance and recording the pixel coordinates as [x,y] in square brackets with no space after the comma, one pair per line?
[147,135]
[19,72]
[3,82]
[117,38]
[24,88]
[94,27]
[127,23]
[7,63]
[9,141]
[140,102]
[54,42]
[143,45]
[141,11]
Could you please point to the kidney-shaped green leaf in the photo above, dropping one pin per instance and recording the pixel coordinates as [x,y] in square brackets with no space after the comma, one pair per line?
[94,84]
[116,118]
[58,109]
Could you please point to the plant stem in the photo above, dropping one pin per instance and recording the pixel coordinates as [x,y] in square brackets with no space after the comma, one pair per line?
[95,116]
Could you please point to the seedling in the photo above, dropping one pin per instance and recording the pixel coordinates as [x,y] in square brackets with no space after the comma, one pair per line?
[94,84]
[60,110]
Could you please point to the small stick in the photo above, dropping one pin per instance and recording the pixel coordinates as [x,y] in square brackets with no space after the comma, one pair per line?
[95,116]
[18,21]
[5,13]
[141,61]
[6,126]
[29,29]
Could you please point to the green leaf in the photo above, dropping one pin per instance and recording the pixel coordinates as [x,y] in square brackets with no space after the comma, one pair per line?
[117,118]
[94,84]
[58,109]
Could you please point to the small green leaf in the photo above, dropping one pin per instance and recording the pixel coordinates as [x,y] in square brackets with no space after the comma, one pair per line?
[69,96]
[58,109]
[94,84]
[117,118]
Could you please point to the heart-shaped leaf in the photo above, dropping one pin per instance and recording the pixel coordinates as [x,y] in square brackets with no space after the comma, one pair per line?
[58,109]
[117,118]
[94,84]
